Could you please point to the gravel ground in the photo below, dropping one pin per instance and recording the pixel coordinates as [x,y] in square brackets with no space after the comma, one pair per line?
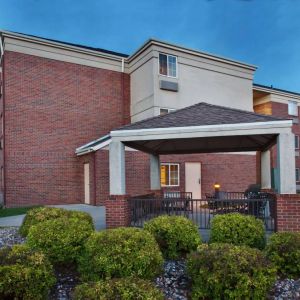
[174,281]
[10,236]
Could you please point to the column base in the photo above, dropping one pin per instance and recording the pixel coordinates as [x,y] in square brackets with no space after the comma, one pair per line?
[117,211]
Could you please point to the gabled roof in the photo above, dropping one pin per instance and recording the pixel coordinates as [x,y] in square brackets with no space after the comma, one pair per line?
[200,114]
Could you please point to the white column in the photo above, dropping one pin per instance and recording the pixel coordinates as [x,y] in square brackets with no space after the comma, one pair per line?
[286,163]
[265,160]
[154,172]
[117,168]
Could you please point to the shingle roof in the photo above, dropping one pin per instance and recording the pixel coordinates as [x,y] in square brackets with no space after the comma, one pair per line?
[200,114]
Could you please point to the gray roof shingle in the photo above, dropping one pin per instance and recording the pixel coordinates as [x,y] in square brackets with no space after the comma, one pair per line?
[200,114]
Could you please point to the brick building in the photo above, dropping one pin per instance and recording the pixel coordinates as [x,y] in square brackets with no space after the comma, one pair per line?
[60,101]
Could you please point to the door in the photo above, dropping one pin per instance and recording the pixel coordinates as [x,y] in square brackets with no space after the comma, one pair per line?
[193,179]
[87,183]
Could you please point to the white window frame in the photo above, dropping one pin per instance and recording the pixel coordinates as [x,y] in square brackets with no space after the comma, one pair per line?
[168,109]
[172,164]
[297,170]
[297,142]
[161,53]
[291,108]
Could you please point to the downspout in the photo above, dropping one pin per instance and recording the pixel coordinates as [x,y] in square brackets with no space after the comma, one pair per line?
[3,119]
[95,184]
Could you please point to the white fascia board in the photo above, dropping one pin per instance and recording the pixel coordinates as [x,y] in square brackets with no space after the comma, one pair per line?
[272,127]
[276,92]
[85,149]
[46,42]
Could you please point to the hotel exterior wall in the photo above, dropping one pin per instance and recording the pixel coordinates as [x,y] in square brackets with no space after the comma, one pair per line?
[51,108]
[199,80]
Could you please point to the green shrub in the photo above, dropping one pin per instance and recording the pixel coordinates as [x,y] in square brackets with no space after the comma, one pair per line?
[61,239]
[238,229]
[175,235]
[122,289]
[41,214]
[284,250]
[226,271]
[24,274]
[121,252]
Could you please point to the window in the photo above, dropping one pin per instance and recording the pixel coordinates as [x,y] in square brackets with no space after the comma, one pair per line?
[296,141]
[164,111]
[297,174]
[169,174]
[292,108]
[167,65]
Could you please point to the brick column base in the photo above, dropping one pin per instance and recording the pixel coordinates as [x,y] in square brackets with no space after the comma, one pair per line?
[117,211]
[288,212]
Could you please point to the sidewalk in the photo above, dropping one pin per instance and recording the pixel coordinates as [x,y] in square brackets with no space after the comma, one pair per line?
[97,213]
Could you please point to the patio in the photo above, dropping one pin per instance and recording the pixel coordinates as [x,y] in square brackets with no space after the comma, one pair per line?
[201,128]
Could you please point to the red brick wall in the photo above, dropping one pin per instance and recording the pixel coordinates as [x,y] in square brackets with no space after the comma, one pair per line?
[52,107]
[288,212]
[233,172]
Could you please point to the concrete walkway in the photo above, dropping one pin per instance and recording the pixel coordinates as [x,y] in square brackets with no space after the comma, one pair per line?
[97,213]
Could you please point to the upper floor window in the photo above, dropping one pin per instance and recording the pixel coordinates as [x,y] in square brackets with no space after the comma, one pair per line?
[167,65]
[164,111]
[292,108]
[169,174]
[296,141]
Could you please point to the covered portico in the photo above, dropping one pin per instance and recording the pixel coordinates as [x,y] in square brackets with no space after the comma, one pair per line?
[205,128]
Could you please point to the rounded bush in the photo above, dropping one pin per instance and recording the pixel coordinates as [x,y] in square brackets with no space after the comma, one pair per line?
[283,250]
[24,274]
[238,229]
[226,271]
[121,252]
[41,214]
[175,235]
[122,289]
[61,239]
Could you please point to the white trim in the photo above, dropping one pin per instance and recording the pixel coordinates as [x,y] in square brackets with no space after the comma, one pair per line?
[169,164]
[275,92]
[151,42]
[274,126]
[168,76]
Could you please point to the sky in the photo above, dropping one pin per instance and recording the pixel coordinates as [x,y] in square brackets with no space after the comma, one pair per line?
[265,33]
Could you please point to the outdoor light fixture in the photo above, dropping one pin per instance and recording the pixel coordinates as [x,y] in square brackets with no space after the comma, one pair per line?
[217,186]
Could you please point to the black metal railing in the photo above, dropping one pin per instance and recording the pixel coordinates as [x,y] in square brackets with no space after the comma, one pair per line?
[202,211]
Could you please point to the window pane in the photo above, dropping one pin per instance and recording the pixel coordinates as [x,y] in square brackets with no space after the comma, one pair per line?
[163,111]
[172,66]
[174,175]
[163,64]
[164,175]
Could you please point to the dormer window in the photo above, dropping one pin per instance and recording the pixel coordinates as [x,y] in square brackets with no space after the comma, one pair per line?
[167,65]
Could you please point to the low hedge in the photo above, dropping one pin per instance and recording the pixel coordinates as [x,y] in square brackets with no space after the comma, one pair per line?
[41,214]
[122,289]
[226,271]
[61,239]
[284,250]
[238,229]
[24,274]
[175,235]
[121,252]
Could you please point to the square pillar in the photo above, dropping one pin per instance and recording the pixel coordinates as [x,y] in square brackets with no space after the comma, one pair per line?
[117,168]
[286,163]
[265,165]
[154,172]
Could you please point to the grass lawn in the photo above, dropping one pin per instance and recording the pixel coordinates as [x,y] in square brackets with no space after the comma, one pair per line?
[7,212]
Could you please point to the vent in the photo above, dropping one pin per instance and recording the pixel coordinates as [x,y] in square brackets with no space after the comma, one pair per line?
[168,85]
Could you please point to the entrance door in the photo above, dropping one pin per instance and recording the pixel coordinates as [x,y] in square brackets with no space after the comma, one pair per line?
[87,183]
[193,179]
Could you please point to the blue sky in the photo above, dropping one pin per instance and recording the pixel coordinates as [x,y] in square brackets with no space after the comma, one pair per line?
[265,33]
